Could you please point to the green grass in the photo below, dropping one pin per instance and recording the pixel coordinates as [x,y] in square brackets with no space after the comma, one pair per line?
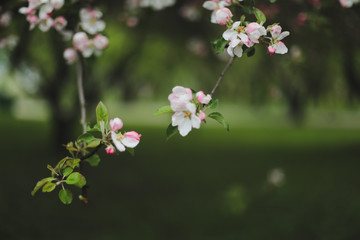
[210,185]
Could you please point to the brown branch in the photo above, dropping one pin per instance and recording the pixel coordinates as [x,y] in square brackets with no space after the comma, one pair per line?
[80,80]
[222,74]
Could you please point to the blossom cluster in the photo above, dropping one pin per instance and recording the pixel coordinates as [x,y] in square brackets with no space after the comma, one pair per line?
[89,41]
[348,3]
[40,13]
[188,109]
[121,141]
[242,33]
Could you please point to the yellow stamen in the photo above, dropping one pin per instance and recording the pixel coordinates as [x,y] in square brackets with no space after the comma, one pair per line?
[187,114]
[120,137]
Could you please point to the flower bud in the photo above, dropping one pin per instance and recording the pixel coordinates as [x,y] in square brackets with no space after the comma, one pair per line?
[202,116]
[200,96]
[271,50]
[116,124]
[110,150]
[223,15]
[70,55]
[80,41]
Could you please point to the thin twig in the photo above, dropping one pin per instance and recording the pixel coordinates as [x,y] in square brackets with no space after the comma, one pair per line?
[80,79]
[222,75]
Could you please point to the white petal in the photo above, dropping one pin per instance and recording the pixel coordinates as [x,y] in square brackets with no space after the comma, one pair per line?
[230,51]
[130,142]
[229,34]
[185,127]
[177,118]
[195,121]
[209,5]
[238,51]
[280,48]
[117,143]
[283,35]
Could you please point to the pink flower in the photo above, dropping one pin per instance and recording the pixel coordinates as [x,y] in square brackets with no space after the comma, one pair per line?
[116,124]
[254,32]
[59,23]
[90,20]
[110,150]
[223,16]
[129,139]
[70,55]
[202,116]
[179,97]
[276,42]
[202,98]
[101,42]
[80,41]
[271,50]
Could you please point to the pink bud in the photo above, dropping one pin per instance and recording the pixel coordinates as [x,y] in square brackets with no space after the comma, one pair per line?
[223,15]
[70,55]
[202,115]
[271,50]
[110,150]
[80,41]
[200,96]
[116,124]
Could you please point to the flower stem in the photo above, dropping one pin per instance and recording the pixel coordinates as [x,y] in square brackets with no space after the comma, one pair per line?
[80,78]
[222,74]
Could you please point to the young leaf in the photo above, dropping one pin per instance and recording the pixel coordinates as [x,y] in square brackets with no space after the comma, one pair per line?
[73,163]
[218,117]
[213,104]
[163,110]
[94,160]
[76,179]
[65,196]
[86,137]
[67,171]
[49,187]
[41,183]
[171,131]
[102,113]
[260,16]
[219,44]
[94,143]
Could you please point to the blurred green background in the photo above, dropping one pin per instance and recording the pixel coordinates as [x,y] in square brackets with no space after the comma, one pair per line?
[287,169]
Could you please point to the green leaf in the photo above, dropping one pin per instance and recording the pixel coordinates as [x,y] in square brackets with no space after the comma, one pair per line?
[67,171]
[76,179]
[96,128]
[171,131]
[213,104]
[219,44]
[53,172]
[65,196]
[94,143]
[73,163]
[41,183]
[260,16]
[102,113]
[49,187]
[219,118]
[94,160]
[86,138]
[163,110]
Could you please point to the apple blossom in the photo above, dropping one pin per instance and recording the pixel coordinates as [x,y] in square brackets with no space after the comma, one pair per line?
[157,4]
[129,139]
[101,41]
[202,98]
[223,16]
[276,42]
[70,55]
[186,119]
[179,97]
[57,4]
[90,20]
[214,6]
[116,124]
[254,32]
[110,150]
[348,3]
[80,41]
[59,23]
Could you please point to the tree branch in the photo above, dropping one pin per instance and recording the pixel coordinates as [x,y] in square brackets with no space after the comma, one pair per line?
[222,74]
[80,85]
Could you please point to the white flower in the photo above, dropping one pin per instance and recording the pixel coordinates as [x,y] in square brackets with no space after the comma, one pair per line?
[157,4]
[276,42]
[90,20]
[57,4]
[129,139]
[70,55]
[80,41]
[223,16]
[179,98]
[186,119]
[348,3]
[254,32]
[214,6]
[101,42]
[59,23]
[237,37]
